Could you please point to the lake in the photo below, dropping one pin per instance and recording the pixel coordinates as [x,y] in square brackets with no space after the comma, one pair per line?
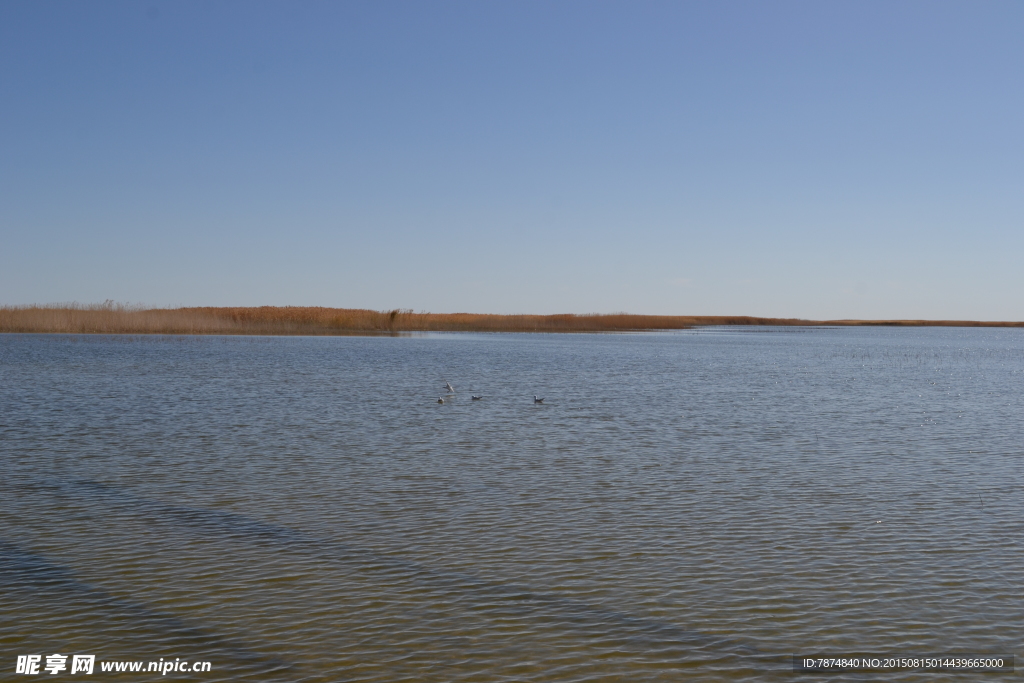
[700,504]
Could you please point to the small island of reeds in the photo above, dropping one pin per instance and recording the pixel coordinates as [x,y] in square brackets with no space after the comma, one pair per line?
[112,318]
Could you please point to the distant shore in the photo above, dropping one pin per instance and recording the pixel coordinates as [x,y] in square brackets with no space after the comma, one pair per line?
[310,320]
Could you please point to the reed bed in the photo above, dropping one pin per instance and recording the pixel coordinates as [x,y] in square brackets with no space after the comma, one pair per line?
[111,318]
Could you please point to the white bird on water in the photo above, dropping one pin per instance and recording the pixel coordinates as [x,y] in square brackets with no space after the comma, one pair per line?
[440,400]
[537,400]
[449,387]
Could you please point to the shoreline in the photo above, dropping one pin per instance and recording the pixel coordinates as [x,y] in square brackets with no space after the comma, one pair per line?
[320,321]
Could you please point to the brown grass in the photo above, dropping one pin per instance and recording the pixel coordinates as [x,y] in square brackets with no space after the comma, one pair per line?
[111,318]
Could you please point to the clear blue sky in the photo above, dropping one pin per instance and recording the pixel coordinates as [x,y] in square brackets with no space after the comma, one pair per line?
[811,159]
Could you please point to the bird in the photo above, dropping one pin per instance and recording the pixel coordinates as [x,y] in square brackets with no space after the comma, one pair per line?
[440,400]
[537,400]
[476,398]
[449,387]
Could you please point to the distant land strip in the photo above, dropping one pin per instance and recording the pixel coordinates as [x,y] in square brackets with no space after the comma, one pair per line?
[111,318]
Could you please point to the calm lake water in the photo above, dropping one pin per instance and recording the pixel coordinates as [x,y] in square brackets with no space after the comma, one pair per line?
[699,505]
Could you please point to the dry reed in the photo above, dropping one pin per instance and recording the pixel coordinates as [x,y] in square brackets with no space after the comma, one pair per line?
[111,318]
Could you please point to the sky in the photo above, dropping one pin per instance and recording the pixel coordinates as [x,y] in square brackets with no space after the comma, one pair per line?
[819,160]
